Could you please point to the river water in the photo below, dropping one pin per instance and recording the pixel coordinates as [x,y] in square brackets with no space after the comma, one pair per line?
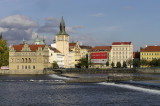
[51,90]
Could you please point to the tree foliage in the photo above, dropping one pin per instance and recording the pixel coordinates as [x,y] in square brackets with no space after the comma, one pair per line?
[136,63]
[112,64]
[107,63]
[130,62]
[84,63]
[118,65]
[55,65]
[4,53]
[124,64]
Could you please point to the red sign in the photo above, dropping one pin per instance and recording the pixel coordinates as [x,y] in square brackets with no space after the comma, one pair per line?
[99,57]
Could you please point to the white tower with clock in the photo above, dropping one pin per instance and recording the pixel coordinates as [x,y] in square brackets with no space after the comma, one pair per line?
[62,43]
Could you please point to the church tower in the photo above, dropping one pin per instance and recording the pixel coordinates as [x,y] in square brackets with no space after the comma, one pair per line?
[62,43]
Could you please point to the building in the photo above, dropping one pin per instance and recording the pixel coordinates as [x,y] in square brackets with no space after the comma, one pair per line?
[55,55]
[62,43]
[84,50]
[75,53]
[28,59]
[121,52]
[99,55]
[149,53]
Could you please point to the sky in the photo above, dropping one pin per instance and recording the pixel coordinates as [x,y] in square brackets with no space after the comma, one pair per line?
[90,22]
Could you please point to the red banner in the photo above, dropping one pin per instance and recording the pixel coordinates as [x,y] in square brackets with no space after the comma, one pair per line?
[99,55]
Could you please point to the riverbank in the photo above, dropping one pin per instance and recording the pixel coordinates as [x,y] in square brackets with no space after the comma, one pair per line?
[96,78]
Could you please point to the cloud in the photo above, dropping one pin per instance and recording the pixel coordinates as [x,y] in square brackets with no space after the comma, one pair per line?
[51,26]
[18,21]
[98,15]
[17,27]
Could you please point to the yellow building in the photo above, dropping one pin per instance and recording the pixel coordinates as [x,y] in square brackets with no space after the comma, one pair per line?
[150,52]
[99,55]
[77,52]
[28,59]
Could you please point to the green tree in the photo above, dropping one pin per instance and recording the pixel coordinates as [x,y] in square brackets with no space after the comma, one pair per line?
[124,64]
[107,63]
[154,62]
[136,63]
[83,62]
[4,53]
[143,62]
[130,62]
[112,64]
[55,65]
[118,65]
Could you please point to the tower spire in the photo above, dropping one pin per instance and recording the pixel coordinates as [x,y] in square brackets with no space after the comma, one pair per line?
[1,35]
[62,27]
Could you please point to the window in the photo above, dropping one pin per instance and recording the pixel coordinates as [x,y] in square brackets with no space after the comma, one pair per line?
[18,67]
[22,67]
[25,67]
[29,67]
[34,67]
[142,53]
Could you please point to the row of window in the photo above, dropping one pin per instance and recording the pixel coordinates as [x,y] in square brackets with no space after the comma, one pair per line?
[150,53]
[148,58]
[122,52]
[27,54]
[26,67]
[120,49]
[23,60]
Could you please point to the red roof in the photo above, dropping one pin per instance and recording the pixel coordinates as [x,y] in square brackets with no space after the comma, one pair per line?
[54,49]
[72,44]
[150,49]
[33,48]
[121,43]
[101,48]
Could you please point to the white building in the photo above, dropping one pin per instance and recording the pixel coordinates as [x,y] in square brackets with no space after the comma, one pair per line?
[121,51]
[55,55]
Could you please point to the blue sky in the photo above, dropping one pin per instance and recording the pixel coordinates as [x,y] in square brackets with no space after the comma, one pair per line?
[91,22]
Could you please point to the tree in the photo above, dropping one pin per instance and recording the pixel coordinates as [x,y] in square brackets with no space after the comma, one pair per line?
[107,63]
[130,62]
[118,65]
[154,62]
[143,62]
[83,62]
[112,64]
[124,64]
[55,65]
[136,63]
[4,53]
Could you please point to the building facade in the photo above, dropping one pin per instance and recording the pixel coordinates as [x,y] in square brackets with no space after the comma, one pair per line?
[28,59]
[99,55]
[55,55]
[121,52]
[62,43]
[149,53]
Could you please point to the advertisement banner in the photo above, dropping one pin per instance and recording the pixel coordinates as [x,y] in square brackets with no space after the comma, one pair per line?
[99,57]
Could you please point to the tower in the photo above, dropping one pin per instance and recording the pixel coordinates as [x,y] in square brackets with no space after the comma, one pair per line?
[62,43]
[37,41]
[1,36]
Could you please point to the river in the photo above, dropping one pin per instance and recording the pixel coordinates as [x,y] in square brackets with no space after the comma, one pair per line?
[51,90]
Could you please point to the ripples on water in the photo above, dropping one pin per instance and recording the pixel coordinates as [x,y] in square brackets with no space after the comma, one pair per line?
[53,91]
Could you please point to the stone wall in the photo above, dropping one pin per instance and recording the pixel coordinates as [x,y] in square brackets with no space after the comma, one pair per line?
[154,70]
